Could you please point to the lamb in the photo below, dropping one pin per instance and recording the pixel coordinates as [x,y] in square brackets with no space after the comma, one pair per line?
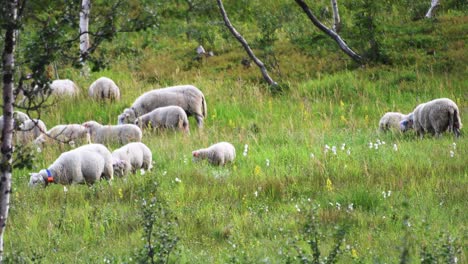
[435,117]
[64,87]
[87,164]
[30,130]
[391,120]
[189,97]
[131,157]
[122,134]
[217,154]
[171,117]
[72,134]
[104,88]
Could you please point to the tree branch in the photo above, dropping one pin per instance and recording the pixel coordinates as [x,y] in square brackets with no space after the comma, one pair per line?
[343,46]
[246,46]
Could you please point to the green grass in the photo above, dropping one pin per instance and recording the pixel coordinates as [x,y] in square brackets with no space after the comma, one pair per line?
[247,211]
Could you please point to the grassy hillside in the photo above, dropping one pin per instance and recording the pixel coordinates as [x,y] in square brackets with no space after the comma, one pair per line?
[392,195]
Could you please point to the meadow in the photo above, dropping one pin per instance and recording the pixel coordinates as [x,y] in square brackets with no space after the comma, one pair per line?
[312,170]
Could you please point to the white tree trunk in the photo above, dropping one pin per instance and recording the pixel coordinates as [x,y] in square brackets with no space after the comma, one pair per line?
[336,17]
[84,28]
[246,46]
[434,4]
[8,59]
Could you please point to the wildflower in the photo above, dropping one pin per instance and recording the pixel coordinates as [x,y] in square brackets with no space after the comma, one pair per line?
[256,194]
[454,145]
[351,207]
[164,173]
[329,185]
[395,147]
[246,149]
[142,171]
[341,103]
[327,148]
[343,146]
[120,193]
[452,153]
[257,170]
[178,180]
[376,146]
[312,155]
[39,150]
[371,145]
[348,151]
[65,190]
[354,253]
[338,205]
[297,208]
[378,142]
[267,162]
[386,194]
[383,142]
[334,150]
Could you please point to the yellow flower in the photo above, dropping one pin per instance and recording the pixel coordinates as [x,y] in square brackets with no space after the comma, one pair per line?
[257,170]
[231,124]
[341,103]
[120,193]
[329,185]
[354,253]
[343,119]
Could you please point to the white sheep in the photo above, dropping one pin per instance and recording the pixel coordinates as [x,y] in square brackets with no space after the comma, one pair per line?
[87,164]
[167,117]
[435,117]
[217,154]
[121,134]
[132,157]
[64,87]
[30,130]
[104,88]
[391,121]
[71,134]
[188,97]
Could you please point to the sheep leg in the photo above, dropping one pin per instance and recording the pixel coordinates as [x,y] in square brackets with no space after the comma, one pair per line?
[199,120]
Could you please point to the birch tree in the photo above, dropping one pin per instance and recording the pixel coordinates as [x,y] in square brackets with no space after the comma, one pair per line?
[10,25]
[434,4]
[336,16]
[84,28]
[246,46]
[341,43]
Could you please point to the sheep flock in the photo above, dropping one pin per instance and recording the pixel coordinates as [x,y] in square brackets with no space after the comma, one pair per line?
[167,109]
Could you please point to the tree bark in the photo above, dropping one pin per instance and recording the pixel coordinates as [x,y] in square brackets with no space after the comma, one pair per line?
[84,29]
[343,46]
[246,46]
[336,17]
[8,61]
[434,4]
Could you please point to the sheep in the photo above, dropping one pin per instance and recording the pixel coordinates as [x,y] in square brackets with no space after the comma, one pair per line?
[217,154]
[18,119]
[30,130]
[131,157]
[189,97]
[434,117]
[104,88]
[81,165]
[64,87]
[122,134]
[391,120]
[172,117]
[72,133]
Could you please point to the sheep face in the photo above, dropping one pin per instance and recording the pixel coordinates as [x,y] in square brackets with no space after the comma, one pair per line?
[407,123]
[127,117]
[36,179]
[195,155]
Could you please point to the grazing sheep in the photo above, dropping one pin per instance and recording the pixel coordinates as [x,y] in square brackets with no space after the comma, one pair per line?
[64,87]
[18,119]
[218,154]
[30,130]
[435,117]
[104,88]
[391,120]
[121,134]
[132,157]
[81,165]
[72,134]
[189,97]
[171,117]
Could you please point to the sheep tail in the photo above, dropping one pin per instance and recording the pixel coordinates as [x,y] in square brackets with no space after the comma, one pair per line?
[455,123]
[205,112]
